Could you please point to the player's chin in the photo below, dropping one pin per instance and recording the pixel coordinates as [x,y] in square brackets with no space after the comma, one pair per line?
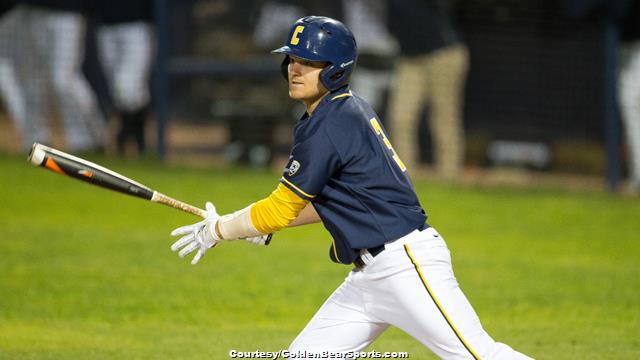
[295,93]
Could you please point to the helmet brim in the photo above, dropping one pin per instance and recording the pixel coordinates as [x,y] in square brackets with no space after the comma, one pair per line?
[306,55]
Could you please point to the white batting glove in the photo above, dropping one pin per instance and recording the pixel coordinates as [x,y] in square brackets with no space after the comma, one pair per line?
[200,235]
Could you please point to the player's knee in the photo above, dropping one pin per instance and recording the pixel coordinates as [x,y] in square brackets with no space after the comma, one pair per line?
[131,99]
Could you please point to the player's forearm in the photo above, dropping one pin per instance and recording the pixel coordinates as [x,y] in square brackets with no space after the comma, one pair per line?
[277,211]
[237,225]
[308,215]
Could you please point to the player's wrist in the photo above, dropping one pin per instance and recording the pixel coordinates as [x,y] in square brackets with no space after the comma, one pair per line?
[210,231]
[215,231]
[236,225]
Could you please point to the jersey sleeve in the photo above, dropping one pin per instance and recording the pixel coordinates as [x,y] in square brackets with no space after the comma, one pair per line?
[276,211]
[311,164]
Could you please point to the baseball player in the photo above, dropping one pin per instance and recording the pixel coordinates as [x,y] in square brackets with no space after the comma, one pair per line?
[344,172]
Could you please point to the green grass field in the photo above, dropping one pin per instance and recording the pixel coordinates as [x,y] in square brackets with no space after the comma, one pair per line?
[87,273]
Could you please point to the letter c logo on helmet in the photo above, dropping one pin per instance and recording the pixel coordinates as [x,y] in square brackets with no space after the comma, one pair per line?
[295,40]
[319,38]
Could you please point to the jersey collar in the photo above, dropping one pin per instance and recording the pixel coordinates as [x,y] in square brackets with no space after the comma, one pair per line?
[343,92]
[346,93]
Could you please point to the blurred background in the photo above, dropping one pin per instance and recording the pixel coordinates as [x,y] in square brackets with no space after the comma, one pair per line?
[544,87]
[536,99]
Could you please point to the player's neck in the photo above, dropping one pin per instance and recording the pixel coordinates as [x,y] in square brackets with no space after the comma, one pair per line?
[312,104]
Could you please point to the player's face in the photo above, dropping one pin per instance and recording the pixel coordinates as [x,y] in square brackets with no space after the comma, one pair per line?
[304,81]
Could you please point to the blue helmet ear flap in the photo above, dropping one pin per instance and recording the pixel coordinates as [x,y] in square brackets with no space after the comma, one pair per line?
[333,77]
[284,67]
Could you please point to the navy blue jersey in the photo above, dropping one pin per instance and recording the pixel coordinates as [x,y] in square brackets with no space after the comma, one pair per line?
[344,164]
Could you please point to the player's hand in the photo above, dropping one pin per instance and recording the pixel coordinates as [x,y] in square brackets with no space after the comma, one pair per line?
[201,235]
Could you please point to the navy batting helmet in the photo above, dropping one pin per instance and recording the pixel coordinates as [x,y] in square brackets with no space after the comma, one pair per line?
[319,38]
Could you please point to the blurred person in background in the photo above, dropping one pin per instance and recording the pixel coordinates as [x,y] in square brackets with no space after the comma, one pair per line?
[272,18]
[11,89]
[56,29]
[431,71]
[125,41]
[629,89]
[376,49]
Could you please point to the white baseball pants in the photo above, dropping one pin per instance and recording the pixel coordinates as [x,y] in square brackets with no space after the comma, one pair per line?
[126,52]
[629,95]
[59,44]
[10,86]
[411,286]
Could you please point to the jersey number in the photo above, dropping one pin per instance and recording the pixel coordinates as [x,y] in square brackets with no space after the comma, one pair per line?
[378,129]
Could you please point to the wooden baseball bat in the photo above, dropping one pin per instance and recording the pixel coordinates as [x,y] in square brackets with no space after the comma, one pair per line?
[66,164]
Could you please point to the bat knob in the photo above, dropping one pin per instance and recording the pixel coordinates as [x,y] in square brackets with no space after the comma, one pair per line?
[37,154]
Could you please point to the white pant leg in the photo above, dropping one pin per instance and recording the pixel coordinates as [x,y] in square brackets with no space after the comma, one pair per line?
[342,324]
[629,95]
[21,76]
[30,74]
[12,93]
[10,88]
[411,285]
[108,52]
[126,50]
[63,42]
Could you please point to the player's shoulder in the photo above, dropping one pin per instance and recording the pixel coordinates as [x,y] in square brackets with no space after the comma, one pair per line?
[346,110]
